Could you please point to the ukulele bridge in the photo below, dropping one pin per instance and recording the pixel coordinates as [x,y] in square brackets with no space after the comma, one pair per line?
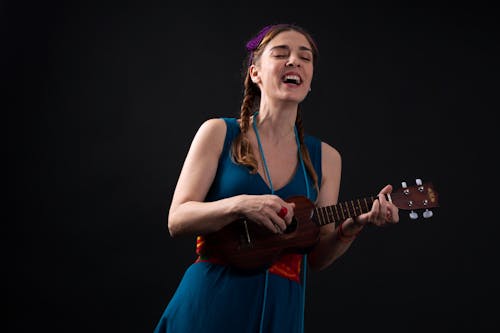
[245,238]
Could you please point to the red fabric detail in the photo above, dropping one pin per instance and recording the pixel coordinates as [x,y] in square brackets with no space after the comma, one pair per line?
[288,266]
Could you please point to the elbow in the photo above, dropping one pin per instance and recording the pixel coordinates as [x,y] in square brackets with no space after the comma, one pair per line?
[317,267]
[314,265]
[177,226]
[172,230]
[173,227]
[318,262]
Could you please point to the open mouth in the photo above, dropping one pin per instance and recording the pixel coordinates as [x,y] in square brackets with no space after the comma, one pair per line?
[294,79]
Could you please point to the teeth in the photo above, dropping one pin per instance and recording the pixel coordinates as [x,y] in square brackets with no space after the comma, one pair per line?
[295,78]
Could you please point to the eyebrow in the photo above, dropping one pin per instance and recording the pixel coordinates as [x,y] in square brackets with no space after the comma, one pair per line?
[302,48]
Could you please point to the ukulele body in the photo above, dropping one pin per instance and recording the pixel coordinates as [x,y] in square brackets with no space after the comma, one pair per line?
[246,245]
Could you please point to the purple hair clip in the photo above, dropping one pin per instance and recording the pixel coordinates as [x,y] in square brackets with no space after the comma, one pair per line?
[255,42]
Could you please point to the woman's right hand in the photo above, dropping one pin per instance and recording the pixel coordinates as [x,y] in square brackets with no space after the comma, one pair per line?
[268,210]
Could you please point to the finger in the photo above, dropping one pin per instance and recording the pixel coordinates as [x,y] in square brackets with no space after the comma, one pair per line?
[383,198]
[388,216]
[278,222]
[383,204]
[290,212]
[380,215]
[394,212]
[273,226]
[375,208]
[386,189]
[283,212]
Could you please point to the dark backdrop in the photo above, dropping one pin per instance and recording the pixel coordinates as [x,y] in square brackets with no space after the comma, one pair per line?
[102,101]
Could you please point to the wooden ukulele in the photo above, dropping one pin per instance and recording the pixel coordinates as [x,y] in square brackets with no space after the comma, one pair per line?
[248,246]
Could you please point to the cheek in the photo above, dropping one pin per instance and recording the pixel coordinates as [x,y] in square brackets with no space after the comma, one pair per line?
[310,72]
[273,75]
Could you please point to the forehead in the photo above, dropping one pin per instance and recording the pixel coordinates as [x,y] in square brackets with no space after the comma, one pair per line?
[289,38]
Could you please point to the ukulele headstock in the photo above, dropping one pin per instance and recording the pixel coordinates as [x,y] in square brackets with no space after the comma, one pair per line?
[418,197]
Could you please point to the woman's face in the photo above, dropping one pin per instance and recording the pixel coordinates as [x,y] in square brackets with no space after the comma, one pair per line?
[285,68]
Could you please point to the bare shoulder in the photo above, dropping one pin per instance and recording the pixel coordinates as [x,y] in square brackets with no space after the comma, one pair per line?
[330,154]
[213,125]
[212,131]
[331,165]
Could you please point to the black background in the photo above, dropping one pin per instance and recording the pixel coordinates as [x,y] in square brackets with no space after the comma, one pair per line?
[102,101]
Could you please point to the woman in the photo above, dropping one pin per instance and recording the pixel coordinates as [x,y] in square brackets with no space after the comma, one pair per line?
[247,168]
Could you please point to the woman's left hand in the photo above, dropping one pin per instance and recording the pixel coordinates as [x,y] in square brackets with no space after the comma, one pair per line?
[382,213]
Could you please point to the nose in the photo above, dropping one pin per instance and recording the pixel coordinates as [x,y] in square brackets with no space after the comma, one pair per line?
[292,62]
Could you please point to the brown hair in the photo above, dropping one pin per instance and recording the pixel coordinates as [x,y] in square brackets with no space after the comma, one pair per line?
[241,149]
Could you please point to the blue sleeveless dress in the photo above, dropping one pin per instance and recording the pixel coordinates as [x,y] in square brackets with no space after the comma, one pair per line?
[216,298]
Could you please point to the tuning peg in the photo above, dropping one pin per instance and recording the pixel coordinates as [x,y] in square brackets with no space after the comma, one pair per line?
[427,213]
[403,185]
[413,215]
[420,187]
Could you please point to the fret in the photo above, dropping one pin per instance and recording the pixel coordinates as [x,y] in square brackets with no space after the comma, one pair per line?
[347,211]
[342,211]
[349,214]
[328,211]
[353,209]
[317,215]
[337,211]
[330,208]
[346,208]
[324,216]
[327,216]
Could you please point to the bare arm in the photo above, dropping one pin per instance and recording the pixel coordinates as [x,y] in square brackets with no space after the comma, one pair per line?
[190,215]
[328,249]
[331,245]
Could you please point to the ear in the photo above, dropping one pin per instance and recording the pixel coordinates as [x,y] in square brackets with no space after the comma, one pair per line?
[254,74]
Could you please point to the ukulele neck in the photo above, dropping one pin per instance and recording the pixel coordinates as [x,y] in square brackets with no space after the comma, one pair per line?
[343,210]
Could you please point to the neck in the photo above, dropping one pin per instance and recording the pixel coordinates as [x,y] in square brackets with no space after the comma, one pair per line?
[276,126]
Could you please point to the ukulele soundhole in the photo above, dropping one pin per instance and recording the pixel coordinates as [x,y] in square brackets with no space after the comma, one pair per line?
[292,226]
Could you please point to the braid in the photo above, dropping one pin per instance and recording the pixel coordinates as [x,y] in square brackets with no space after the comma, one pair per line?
[303,150]
[241,149]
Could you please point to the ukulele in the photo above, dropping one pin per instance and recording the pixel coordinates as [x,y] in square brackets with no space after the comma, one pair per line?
[246,245]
